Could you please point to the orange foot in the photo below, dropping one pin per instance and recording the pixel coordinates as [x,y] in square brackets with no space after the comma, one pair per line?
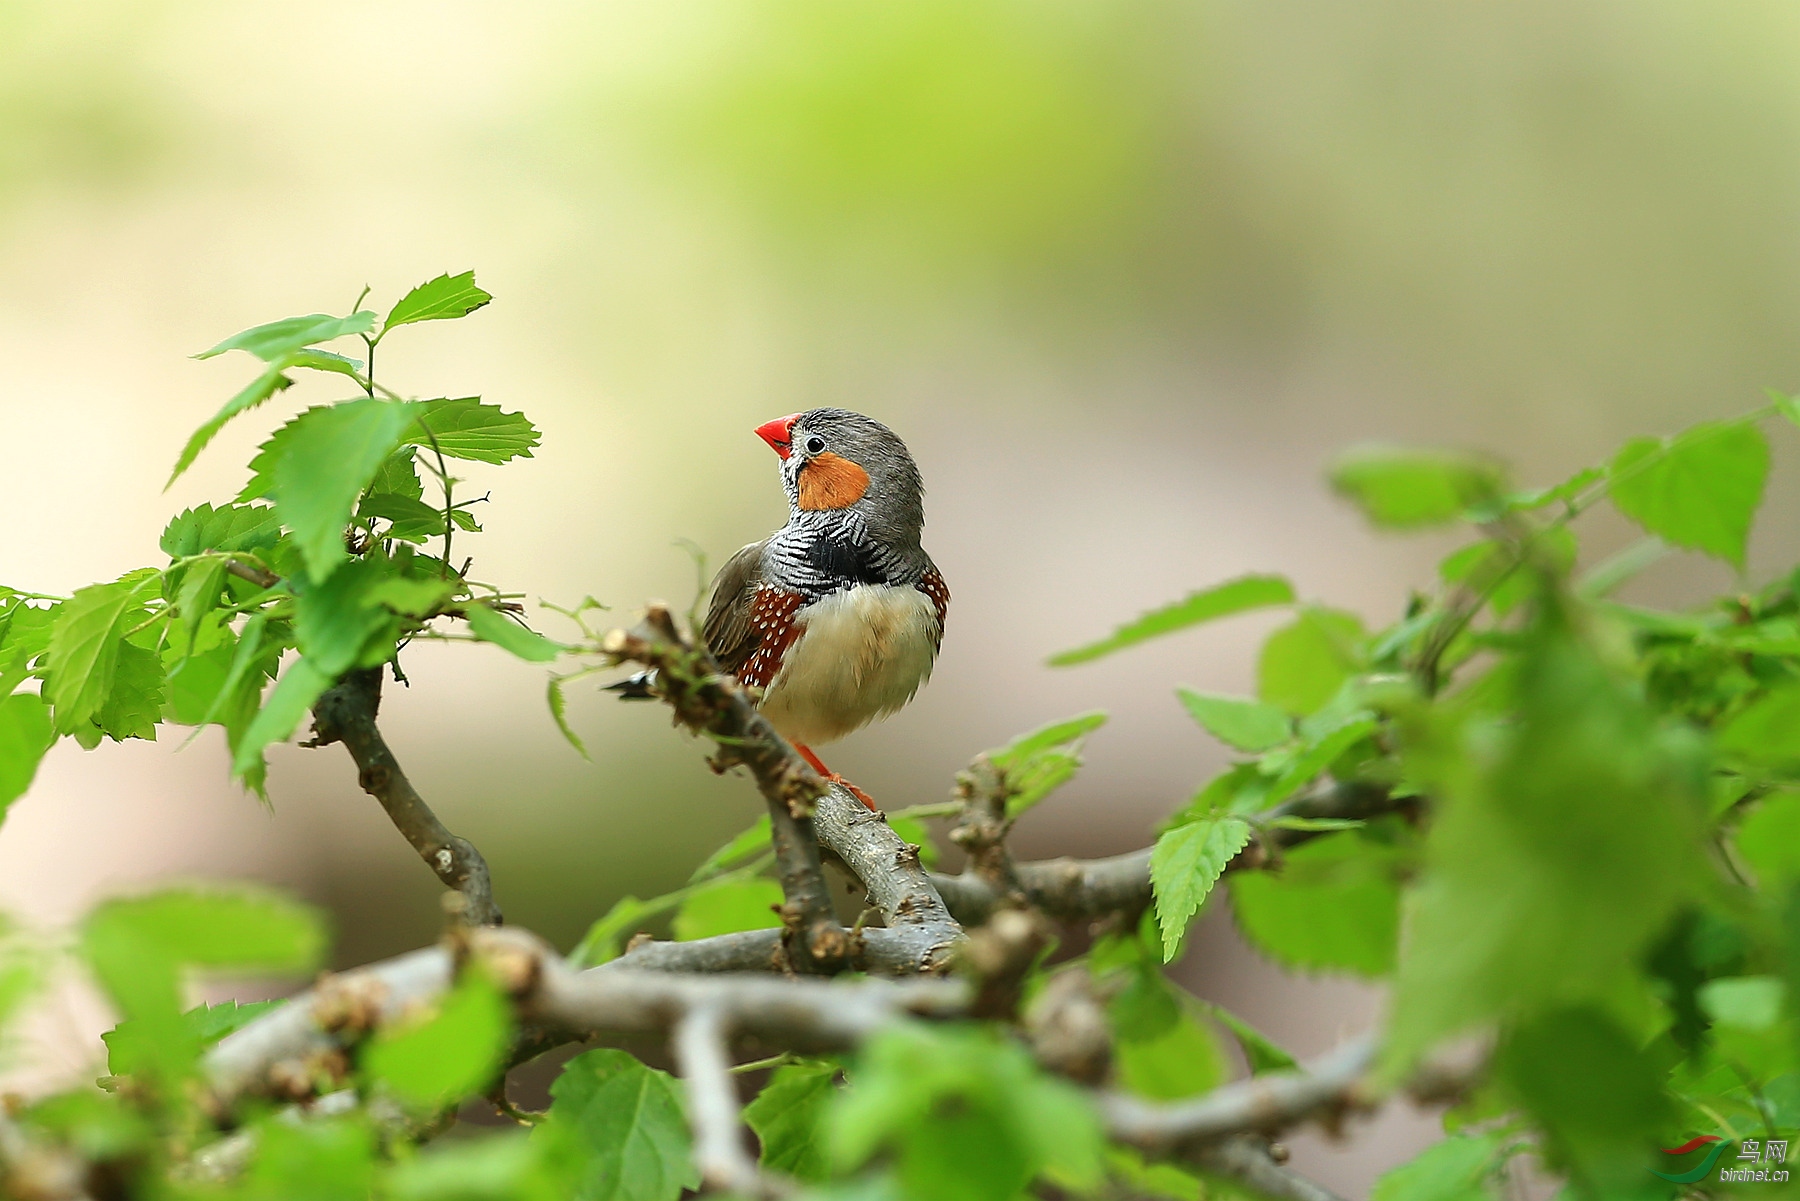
[832,777]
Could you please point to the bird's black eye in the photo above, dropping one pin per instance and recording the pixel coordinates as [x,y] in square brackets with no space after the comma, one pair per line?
[815,444]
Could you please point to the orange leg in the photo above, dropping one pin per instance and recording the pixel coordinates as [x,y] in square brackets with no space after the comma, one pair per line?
[833,778]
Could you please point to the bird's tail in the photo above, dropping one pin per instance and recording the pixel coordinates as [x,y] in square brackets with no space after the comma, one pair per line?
[640,686]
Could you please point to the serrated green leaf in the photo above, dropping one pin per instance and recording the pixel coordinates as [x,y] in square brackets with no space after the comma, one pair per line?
[341,624]
[441,1057]
[728,907]
[300,685]
[489,626]
[465,428]
[444,298]
[627,1121]
[410,520]
[324,360]
[1407,487]
[229,527]
[1303,664]
[25,734]
[134,702]
[254,393]
[1448,1171]
[1334,906]
[201,589]
[1184,866]
[1237,721]
[24,636]
[1036,763]
[753,841]
[276,339]
[553,697]
[788,1116]
[127,1054]
[1700,489]
[84,652]
[317,464]
[1222,600]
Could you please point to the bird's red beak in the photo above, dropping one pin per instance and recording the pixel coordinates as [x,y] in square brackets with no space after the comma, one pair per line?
[778,434]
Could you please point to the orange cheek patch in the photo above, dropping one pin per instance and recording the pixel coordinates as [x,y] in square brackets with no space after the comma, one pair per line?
[831,482]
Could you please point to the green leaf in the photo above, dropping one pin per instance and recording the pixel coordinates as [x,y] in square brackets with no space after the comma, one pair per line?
[134,703]
[1182,1059]
[1185,865]
[1769,840]
[300,685]
[127,1052]
[226,528]
[399,475]
[627,1121]
[1334,905]
[510,1166]
[1262,1053]
[201,589]
[1448,1171]
[315,1160]
[25,734]
[254,393]
[1305,663]
[601,942]
[1406,488]
[787,1117]
[1598,1098]
[1236,721]
[751,842]
[316,465]
[728,907]
[277,339]
[1747,1002]
[1035,764]
[558,703]
[436,1060]
[1768,731]
[1221,600]
[465,428]
[441,299]
[413,597]
[24,636]
[1026,747]
[341,624]
[1699,489]
[489,626]
[1578,798]
[84,652]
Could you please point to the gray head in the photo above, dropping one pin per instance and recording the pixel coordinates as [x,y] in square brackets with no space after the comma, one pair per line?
[833,459]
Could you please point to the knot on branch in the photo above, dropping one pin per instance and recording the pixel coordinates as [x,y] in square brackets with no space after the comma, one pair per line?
[999,955]
[1067,1027]
[981,828]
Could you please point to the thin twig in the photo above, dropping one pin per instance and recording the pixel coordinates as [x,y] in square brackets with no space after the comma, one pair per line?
[701,1056]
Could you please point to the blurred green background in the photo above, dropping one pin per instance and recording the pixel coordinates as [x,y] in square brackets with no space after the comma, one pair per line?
[1125,275]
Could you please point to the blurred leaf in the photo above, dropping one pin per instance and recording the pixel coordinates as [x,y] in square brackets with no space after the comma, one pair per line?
[316,465]
[728,907]
[1237,721]
[1260,1051]
[275,339]
[913,831]
[1597,1097]
[1035,764]
[626,1119]
[226,528]
[1405,488]
[1303,664]
[751,842]
[1026,747]
[1221,600]
[441,299]
[601,942]
[300,685]
[508,1166]
[254,393]
[1185,865]
[1183,1060]
[788,1117]
[1750,1002]
[1334,905]
[1452,1170]
[1768,732]
[507,634]
[84,652]
[967,1113]
[316,1160]
[25,734]
[465,428]
[1699,489]
[1315,757]
[1580,802]
[127,1054]
[435,1061]
[1769,840]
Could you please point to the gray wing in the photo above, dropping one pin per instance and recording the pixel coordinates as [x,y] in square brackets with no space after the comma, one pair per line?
[728,632]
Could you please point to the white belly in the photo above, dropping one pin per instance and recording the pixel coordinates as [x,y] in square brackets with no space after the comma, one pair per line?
[861,654]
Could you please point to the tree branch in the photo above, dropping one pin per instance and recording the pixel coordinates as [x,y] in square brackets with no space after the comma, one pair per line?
[703,1058]
[920,932]
[346,714]
[1078,889]
[1247,1159]
[712,703]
